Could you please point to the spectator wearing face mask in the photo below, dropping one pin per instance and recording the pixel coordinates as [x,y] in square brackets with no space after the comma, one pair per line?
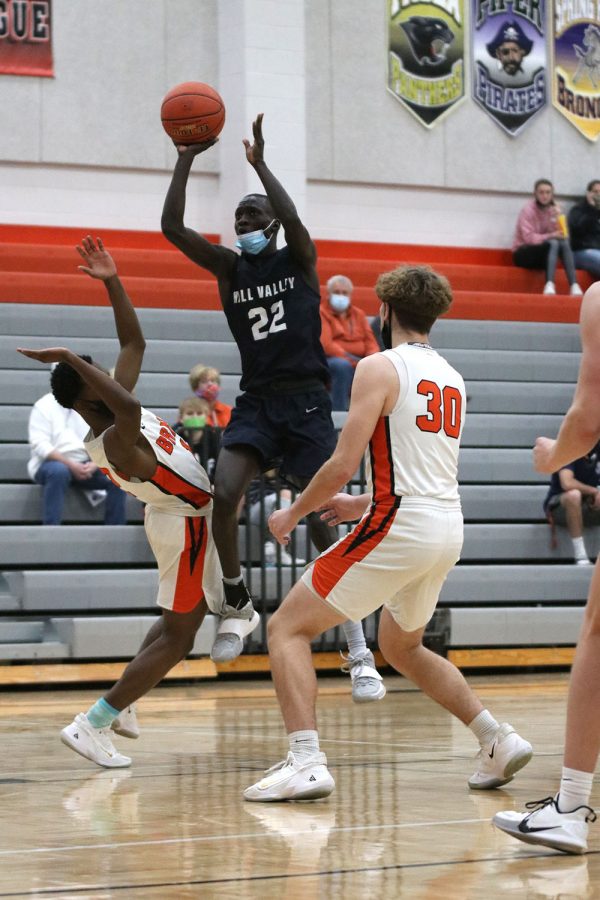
[346,337]
[206,383]
[192,425]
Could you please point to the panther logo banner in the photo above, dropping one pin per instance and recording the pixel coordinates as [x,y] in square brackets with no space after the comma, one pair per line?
[426,56]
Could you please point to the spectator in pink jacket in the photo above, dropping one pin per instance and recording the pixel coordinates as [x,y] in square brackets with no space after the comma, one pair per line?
[540,239]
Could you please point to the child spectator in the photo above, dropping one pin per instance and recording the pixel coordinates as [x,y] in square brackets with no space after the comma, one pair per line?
[205,381]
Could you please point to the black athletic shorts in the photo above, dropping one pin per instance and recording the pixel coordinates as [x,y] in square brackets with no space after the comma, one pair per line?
[291,431]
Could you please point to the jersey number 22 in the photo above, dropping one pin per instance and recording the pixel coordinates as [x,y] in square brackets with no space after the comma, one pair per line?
[262,327]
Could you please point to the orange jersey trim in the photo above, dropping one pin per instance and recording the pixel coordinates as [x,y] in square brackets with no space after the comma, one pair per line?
[188,587]
[169,482]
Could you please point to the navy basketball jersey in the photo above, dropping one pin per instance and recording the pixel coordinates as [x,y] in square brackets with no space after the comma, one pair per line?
[273,314]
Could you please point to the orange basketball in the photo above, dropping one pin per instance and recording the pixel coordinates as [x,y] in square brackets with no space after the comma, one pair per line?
[192,112]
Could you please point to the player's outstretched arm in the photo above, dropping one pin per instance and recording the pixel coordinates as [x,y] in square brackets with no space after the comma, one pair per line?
[296,235]
[216,259]
[98,263]
[580,429]
[122,404]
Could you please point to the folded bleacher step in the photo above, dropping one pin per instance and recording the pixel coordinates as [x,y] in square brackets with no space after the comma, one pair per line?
[36,650]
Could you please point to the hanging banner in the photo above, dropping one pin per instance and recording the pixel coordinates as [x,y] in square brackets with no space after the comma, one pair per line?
[508,49]
[26,37]
[426,56]
[576,64]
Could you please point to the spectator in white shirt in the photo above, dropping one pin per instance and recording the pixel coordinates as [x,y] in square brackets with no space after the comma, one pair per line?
[58,460]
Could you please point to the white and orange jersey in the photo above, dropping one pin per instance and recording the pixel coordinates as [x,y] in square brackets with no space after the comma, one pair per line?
[179,485]
[414,450]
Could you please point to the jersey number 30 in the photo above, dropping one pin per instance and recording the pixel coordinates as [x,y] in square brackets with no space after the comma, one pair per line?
[262,327]
[444,407]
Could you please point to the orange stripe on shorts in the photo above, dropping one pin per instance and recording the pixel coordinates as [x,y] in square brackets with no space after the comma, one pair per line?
[331,567]
[188,588]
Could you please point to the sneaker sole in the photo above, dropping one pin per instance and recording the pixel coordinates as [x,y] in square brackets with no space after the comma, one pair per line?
[124,732]
[68,742]
[315,793]
[253,623]
[515,765]
[370,699]
[539,841]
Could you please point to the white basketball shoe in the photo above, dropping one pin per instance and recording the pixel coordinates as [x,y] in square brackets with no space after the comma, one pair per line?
[498,763]
[126,723]
[367,683]
[93,743]
[548,826]
[291,779]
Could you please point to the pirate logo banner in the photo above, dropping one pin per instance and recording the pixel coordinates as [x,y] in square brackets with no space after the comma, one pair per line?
[26,37]
[426,56]
[509,60]
[576,69]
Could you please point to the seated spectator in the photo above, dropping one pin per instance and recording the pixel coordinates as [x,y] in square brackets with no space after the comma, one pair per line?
[540,240]
[193,427]
[267,487]
[205,381]
[346,337]
[58,459]
[584,230]
[573,500]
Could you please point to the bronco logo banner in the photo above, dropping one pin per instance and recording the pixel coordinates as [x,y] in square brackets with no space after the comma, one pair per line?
[508,41]
[426,56]
[26,37]
[576,69]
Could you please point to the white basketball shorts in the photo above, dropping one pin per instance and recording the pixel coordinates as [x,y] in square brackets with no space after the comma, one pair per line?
[396,556]
[188,566]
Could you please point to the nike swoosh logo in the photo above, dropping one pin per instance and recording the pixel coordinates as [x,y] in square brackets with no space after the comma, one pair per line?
[525,829]
[312,410]
[491,755]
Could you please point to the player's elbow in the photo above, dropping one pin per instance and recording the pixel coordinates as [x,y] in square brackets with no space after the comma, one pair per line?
[171,229]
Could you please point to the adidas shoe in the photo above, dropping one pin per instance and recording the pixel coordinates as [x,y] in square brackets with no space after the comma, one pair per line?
[548,826]
[575,290]
[93,743]
[549,288]
[367,683]
[126,723]
[501,760]
[291,779]
[235,625]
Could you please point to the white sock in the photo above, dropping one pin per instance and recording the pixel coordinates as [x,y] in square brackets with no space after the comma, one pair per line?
[236,580]
[304,744]
[575,789]
[355,636]
[484,727]
[579,548]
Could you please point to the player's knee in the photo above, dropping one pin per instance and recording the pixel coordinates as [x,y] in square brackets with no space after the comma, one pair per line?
[180,640]
[225,501]
[397,645]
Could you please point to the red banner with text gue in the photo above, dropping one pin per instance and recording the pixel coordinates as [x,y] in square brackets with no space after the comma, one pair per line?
[26,37]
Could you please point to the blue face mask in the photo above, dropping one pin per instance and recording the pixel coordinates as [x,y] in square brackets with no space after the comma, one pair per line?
[255,241]
[339,302]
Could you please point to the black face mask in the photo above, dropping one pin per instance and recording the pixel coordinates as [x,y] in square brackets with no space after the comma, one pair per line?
[386,335]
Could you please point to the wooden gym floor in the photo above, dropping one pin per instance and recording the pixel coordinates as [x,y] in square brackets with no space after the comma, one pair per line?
[401,822]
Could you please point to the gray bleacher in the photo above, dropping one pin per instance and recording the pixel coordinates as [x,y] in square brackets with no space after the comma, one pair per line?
[82,591]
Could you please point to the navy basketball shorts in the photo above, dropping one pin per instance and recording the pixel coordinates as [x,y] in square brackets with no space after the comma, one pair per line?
[292,432]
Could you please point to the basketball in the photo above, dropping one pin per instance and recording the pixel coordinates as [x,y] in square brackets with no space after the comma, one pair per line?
[192,112]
